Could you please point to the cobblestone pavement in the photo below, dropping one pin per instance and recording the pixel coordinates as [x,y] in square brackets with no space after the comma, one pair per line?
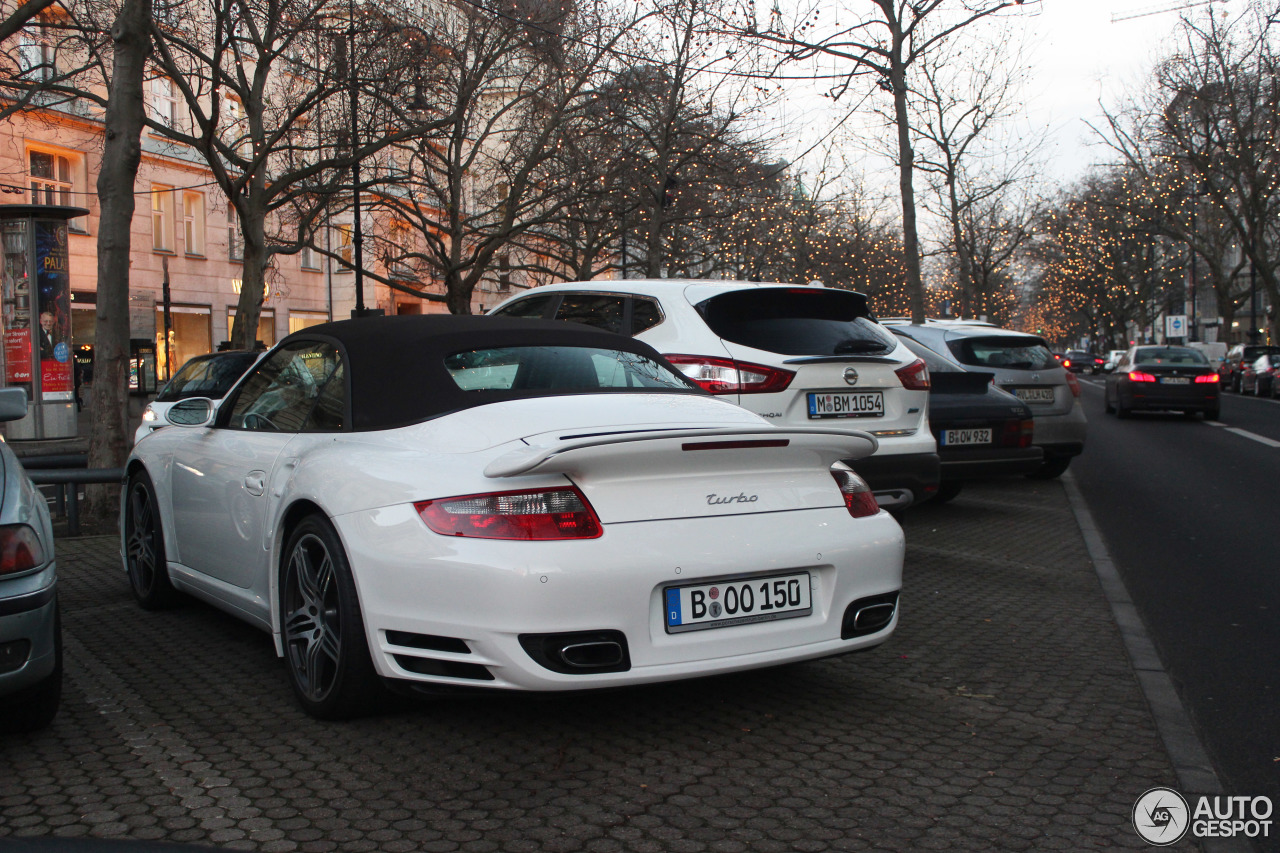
[1003,715]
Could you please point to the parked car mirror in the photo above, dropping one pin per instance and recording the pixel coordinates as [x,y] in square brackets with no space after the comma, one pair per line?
[13,404]
[192,412]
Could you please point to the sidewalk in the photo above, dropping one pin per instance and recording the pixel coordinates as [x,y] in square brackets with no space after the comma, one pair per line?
[1004,714]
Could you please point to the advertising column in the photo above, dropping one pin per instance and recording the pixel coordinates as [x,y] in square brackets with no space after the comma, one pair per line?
[35,308]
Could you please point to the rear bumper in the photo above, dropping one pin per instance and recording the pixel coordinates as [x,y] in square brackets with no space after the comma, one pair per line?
[995,462]
[28,639]
[901,479]
[1204,399]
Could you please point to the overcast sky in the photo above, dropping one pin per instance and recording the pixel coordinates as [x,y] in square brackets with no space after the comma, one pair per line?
[1077,57]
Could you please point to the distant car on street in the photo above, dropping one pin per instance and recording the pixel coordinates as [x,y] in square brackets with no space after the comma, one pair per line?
[1112,359]
[1024,366]
[209,376]
[982,432]
[30,633]
[1162,378]
[1082,361]
[1259,376]
[1241,355]
[457,503]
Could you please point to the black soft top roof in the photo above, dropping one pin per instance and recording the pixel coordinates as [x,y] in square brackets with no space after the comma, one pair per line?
[395,366]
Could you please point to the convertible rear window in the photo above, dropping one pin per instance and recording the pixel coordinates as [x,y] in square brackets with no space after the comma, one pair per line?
[559,368]
[797,321]
[1006,352]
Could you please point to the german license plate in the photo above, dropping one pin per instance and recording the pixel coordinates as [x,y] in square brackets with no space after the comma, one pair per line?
[1034,395]
[953,437]
[740,602]
[1174,380]
[865,404]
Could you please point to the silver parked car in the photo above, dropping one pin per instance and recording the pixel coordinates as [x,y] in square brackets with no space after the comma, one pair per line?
[1025,367]
[30,637]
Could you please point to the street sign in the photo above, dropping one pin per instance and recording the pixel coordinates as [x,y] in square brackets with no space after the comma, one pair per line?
[1175,326]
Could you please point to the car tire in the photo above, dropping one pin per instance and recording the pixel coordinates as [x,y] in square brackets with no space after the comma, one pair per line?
[144,553]
[36,706]
[1212,414]
[325,649]
[1106,405]
[948,490]
[1051,468]
[1121,411]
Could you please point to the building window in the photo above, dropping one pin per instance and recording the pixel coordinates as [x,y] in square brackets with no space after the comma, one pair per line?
[308,260]
[399,246]
[37,54]
[193,223]
[299,320]
[190,334]
[50,178]
[162,106]
[504,272]
[161,218]
[345,248]
[235,239]
[238,128]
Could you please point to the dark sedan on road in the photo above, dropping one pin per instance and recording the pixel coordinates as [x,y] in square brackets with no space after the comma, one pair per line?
[1161,378]
[1082,361]
[982,432]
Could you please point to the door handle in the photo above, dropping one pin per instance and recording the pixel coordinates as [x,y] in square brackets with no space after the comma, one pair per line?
[255,482]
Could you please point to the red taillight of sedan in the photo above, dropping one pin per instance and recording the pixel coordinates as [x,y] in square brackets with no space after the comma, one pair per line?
[858,498]
[19,549]
[914,376]
[543,514]
[1208,379]
[1135,376]
[727,376]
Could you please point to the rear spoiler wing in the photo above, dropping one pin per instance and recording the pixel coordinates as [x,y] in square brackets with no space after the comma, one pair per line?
[570,452]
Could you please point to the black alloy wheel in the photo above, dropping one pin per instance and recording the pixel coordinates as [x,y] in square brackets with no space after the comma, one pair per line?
[144,553]
[324,642]
[948,490]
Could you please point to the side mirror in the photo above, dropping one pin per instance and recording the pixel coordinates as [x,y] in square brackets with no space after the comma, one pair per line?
[193,412]
[13,404]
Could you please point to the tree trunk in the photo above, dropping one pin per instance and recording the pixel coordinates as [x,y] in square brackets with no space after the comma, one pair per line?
[906,182]
[121,155]
[244,329]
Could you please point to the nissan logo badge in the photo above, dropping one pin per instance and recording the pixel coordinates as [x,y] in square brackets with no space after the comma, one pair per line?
[850,376]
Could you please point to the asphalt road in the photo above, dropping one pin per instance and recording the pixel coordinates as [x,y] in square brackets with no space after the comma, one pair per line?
[1189,512]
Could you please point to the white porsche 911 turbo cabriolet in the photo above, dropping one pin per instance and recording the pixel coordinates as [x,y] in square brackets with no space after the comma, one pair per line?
[434,502]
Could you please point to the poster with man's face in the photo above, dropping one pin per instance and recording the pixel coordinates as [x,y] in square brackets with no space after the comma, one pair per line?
[52,334]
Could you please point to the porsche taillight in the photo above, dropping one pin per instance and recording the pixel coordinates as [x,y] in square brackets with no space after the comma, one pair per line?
[20,549]
[858,498]
[541,514]
[729,376]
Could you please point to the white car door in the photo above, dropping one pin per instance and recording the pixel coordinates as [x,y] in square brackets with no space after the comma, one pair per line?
[223,495]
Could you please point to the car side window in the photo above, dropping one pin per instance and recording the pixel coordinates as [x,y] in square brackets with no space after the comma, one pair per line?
[281,394]
[593,309]
[532,308]
[645,314]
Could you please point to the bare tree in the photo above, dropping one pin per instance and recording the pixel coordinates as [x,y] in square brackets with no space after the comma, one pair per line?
[1205,137]
[886,39]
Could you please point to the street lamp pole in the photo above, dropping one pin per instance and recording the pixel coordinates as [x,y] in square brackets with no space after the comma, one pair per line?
[357,234]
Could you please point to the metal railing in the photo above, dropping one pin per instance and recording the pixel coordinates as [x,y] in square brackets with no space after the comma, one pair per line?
[67,471]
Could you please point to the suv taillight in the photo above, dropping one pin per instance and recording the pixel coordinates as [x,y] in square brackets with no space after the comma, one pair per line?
[728,376]
[914,376]
[1073,384]
[19,549]
[858,498]
[561,513]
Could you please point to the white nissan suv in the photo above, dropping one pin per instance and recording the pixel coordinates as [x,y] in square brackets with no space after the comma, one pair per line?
[795,354]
